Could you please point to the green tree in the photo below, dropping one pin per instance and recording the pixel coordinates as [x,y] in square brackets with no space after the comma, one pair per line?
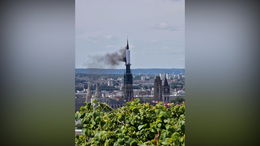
[134,124]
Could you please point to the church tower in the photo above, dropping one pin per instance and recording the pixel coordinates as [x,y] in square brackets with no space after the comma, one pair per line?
[166,90]
[128,77]
[158,88]
[88,94]
[98,93]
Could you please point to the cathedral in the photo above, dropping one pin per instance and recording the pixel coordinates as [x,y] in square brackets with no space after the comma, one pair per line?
[158,88]
[128,77]
[161,91]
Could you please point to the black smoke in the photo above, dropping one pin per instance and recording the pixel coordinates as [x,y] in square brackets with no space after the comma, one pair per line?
[112,60]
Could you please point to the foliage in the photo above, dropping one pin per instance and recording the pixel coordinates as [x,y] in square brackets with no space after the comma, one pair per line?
[134,124]
[178,100]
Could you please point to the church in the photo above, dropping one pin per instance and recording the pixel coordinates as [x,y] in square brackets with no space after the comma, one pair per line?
[161,91]
[128,77]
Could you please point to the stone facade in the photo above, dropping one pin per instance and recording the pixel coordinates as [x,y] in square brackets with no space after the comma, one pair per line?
[158,88]
[166,91]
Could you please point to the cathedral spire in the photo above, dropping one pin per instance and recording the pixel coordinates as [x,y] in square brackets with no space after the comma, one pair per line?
[165,81]
[128,77]
[127,46]
[98,93]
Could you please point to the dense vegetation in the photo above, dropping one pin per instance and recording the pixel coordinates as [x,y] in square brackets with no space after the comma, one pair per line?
[134,124]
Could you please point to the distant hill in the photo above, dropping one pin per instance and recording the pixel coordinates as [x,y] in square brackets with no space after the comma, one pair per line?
[134,71]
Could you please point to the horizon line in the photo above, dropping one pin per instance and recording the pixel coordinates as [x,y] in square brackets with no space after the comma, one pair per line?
[124,68]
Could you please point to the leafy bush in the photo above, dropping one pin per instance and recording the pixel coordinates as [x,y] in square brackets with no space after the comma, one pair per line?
[134,124]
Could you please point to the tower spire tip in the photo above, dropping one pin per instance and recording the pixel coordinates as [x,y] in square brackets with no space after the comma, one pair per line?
[127,45]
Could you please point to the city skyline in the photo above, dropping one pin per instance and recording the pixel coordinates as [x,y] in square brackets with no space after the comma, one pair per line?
[155,30]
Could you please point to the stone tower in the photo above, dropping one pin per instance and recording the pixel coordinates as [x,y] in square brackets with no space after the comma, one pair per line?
[98,92]
[88,94]
[158,88]
[128,77]
[166,90]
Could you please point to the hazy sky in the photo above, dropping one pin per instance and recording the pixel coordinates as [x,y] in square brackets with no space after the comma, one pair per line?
[155,29]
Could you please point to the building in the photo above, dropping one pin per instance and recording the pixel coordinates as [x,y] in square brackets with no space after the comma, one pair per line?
[166,90]
[158,88]
[110,82]
[128,77]
[88,94]
[98,92]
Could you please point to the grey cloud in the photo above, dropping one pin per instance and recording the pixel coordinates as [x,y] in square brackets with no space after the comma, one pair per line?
[165,26]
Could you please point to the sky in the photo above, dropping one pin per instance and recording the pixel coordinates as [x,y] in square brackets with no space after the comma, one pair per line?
[155,30]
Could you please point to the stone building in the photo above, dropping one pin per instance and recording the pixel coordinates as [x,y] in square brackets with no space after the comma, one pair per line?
[89,93]
[158,88]
[98,92]
[128,77]
[166,90]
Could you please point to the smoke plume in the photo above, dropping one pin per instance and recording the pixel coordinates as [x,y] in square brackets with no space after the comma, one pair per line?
[107,60]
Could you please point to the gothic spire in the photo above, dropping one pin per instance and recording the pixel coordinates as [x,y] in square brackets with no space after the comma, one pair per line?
[165,81]
[127,46]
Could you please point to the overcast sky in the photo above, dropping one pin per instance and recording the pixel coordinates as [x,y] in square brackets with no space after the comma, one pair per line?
[155,29]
